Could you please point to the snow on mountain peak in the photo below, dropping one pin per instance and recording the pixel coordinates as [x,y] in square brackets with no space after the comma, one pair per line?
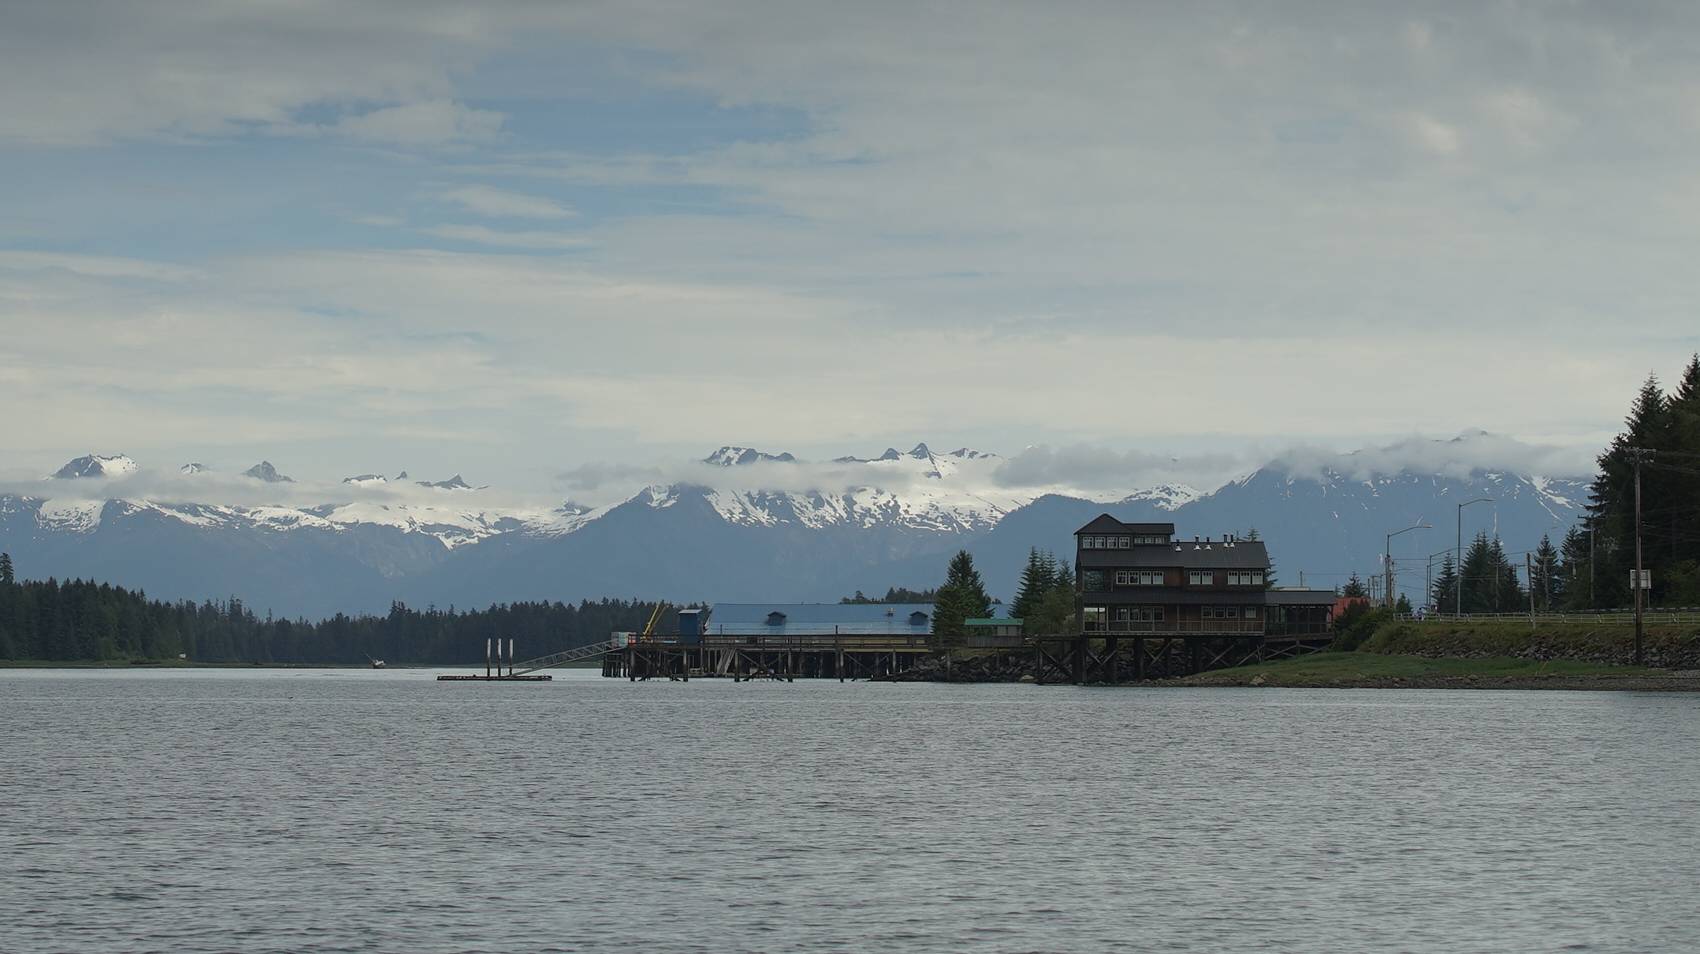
[266,472]
[453,483]
[367,480]
[192,468]
[1165,496]
[96,465]
[730,456]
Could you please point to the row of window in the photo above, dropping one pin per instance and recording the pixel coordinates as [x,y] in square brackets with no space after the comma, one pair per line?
[1094,579]
[1230,612]
[1139,577]
[1096,616]
[1121,542]
[1139,614]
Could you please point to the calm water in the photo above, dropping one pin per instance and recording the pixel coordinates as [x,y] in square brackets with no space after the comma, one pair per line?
[381,811]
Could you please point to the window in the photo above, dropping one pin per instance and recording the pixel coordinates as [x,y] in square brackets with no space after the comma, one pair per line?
[1093,581]
[1201,577]
[1092,618]
[1121,543]
[1245,577]
[1139,577]
[1128,617]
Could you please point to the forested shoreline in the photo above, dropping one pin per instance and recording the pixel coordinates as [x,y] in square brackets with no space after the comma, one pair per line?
[79,620]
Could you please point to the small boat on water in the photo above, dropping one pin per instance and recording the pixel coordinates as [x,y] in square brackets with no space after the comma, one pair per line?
[376,663]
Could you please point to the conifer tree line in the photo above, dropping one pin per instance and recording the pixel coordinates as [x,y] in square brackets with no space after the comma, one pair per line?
[76,620]
[1590,567]
[1667,425]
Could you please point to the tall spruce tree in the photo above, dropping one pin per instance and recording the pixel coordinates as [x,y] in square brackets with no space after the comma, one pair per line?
[7,575]
[962,597]
[1354,587]
[1479,576]
[1444,592]
[1574,591]
[1547,582]
[1037,579]
[1611,504]
[1508,594]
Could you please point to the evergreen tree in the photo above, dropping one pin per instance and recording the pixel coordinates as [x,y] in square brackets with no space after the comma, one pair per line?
[1445,590]
[1508,595]
[1611,505]
[1054,616]
[1402,606]
[962,597]
[1548,579]
[1479,576]
[1354,587]
[1037,579]
[6,573]
[1573,591]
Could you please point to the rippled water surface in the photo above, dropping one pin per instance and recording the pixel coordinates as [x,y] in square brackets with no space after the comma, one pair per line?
[205,810]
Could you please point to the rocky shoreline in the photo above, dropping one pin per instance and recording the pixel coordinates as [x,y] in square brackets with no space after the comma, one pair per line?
[1302,674]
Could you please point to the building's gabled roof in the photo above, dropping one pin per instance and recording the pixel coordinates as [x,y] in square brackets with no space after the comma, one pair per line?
[814,619]
[1104,523]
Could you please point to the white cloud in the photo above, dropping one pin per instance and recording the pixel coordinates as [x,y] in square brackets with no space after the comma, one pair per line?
[431,122]
[1431,135]
[500,203]
[484,235]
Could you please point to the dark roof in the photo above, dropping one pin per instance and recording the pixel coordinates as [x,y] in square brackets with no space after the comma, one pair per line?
[1215,555]
[1104,523]
[1301,597]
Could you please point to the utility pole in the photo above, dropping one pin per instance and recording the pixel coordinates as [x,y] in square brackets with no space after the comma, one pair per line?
[1637,455]
[1387,555]
[1529,568]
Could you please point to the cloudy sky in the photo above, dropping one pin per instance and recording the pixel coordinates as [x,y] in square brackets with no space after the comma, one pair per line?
[518,239]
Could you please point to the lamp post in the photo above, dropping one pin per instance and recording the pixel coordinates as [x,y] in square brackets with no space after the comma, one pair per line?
[1428,582]
[1458,604]
[1387,559]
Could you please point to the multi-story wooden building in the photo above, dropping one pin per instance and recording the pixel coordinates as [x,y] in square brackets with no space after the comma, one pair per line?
[1141,579]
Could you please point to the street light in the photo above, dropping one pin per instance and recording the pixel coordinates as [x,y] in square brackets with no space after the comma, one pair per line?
[1387,557]
[1428,582]
[1458,605]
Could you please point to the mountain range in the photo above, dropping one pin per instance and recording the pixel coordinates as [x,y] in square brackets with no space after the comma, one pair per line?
[746,526]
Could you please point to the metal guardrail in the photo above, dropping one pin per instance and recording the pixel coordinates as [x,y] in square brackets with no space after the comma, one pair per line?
[1682,616]
[567,656]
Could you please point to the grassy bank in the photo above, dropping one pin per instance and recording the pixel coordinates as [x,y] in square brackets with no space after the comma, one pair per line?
[1382,671]
[1666,646]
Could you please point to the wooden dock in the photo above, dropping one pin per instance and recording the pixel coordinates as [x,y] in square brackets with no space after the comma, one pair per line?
[1114,658]
[788,658]
[474,677]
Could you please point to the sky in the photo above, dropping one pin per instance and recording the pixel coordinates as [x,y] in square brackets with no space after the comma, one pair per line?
[522,240]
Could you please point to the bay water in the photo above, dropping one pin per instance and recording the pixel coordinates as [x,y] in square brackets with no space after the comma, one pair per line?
[355,810]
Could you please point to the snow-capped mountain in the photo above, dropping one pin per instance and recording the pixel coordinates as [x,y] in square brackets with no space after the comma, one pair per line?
[742,523]
[95,465]
[266,472]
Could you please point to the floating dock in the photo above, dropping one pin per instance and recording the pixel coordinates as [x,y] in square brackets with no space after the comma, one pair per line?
[493,662]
